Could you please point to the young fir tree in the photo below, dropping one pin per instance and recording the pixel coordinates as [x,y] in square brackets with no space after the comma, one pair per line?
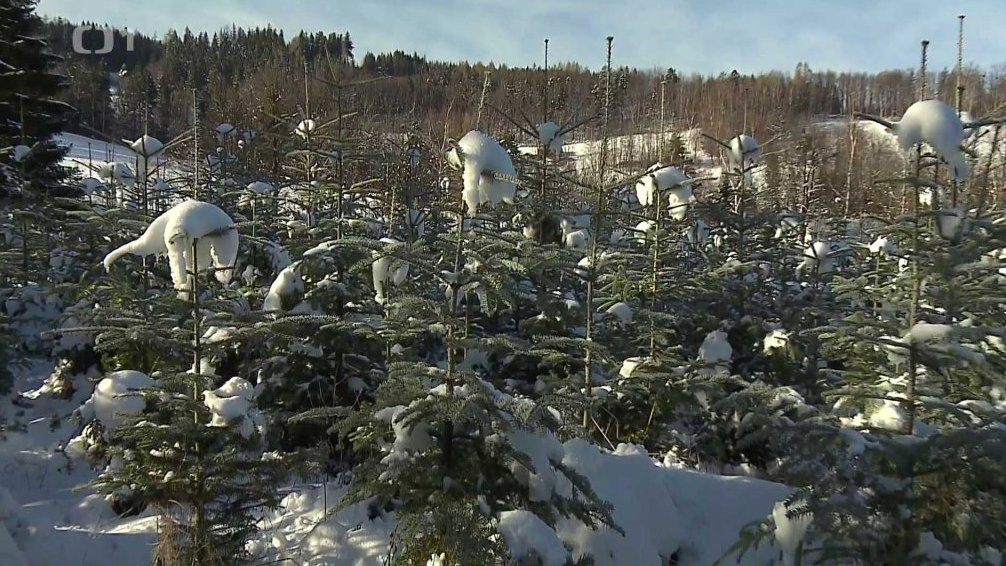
[199,452]
[920,391]
[439,442]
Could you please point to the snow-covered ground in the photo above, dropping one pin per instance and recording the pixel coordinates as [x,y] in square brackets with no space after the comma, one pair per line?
[664,511]
[87,154]
[49,516]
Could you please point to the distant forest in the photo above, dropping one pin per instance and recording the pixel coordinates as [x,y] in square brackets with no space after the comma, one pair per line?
[250,76]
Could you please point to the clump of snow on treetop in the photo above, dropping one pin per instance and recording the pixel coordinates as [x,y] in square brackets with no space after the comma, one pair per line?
[951,223]
[387,269]
[174,232]
[967,118]
[224,130]
[146,146]
[777,339]
[620,311]
[305,127]
[822,258]
[288,283]
[745,151]
[883,246]
[937,124]
[549,136]
[117,171]
[91,185]
[486,168]
[670,180]
[19,152]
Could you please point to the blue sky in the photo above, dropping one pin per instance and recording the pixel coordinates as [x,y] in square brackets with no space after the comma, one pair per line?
[705,36]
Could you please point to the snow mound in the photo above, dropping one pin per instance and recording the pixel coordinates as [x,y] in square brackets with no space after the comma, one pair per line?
[937,124]
[526,535]
[665,512]
[487,171]
[174,232]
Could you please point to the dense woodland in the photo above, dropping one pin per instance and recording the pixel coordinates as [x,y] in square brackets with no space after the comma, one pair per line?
[239,72]
[250,77]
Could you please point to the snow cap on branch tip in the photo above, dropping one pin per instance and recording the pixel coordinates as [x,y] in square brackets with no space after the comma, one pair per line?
[935,123]
[146,146]
[745,151]
[487,171]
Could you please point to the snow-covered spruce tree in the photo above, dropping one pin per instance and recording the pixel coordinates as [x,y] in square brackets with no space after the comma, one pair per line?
[29,107]
[558,222]
[441,444]
[653,214]
[718,369]
[30,173]
[921,390]
[183,440]
[326,355]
